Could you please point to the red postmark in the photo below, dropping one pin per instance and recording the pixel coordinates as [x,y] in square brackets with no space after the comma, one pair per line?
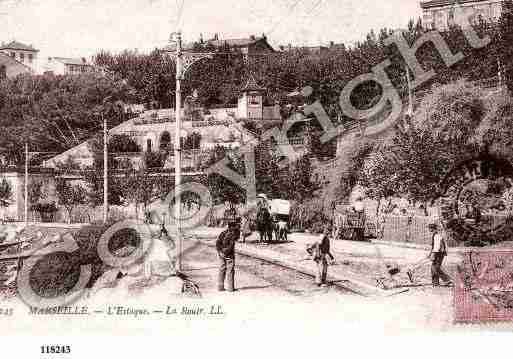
[484,287]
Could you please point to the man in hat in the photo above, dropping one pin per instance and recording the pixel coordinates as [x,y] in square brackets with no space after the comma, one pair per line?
[319,252]
[437,255]
[263,219]
[225,246]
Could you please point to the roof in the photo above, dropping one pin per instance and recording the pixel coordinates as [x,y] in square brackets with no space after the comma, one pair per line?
[252,85]
[437,3]
[243,42]
[217,43]
[72,61]
[15,45]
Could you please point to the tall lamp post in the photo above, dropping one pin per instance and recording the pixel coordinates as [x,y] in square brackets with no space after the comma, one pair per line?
[105,171]
[183,62]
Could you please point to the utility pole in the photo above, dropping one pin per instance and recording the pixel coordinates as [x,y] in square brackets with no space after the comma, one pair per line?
[178,147]
[105,171]
[26,183]
[410,92]
[183,63]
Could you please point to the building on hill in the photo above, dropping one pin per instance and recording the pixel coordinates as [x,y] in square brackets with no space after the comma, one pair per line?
[9,67]
[25,54]
[250,46]
[440,14]
[154,130]
[313,50]
[67,66]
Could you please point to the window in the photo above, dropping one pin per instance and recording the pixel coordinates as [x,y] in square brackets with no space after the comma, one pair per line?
[3,72]
[30,57]
[148,145]
[22,56]
[13,54]
[254,100]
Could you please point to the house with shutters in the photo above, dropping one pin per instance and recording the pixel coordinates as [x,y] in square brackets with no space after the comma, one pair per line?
[24,54]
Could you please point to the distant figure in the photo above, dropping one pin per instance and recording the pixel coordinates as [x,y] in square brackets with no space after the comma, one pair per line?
[437,255]
[245,229]
[359,229]
[225,246]
[319,251]
[230,213]
[263,220]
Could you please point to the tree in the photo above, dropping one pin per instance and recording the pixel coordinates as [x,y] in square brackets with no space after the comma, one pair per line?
[221,188]
[69,195]
[120,143]
[299,184]
[192,141]
[155,159]
[139,187]
[94,192]
[446,129]
[55,113]
[5,196]
[506,40]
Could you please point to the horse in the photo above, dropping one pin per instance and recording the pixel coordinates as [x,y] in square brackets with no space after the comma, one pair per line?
[280,230]
[264,224]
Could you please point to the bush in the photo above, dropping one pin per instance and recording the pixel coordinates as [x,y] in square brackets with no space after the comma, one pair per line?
[309,214]
[155,159]
[46,211]
[56,274]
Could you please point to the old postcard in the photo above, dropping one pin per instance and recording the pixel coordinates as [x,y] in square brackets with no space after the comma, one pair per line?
[173,164]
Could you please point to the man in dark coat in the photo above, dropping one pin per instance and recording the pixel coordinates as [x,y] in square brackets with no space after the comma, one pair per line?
[225,246]
[319,252]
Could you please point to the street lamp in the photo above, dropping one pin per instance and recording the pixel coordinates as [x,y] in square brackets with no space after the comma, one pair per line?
[183,63]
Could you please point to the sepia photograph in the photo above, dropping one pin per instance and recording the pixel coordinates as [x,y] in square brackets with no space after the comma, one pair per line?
[174,164]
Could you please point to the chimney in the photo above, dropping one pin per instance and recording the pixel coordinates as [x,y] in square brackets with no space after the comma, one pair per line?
[290,47]
[252,37]
[216,36]
[84,60]
[201,38]
[263,36]
[332,43]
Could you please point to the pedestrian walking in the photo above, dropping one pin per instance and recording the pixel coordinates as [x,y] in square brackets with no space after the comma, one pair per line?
[245,229]
[359,225]
[437,255]
[225,246]
[319,252]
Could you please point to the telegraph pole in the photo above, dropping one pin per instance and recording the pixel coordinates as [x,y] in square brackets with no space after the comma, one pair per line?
[105,171]
[410,93]
[177,148]
[26,184]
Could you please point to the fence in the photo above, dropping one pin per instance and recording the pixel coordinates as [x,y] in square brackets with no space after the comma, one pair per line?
[404,229]
[415,229]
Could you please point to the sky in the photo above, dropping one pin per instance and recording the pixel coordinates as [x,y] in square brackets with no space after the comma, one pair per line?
[79,28]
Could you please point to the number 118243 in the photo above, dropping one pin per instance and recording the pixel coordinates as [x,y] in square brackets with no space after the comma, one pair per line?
[55,349]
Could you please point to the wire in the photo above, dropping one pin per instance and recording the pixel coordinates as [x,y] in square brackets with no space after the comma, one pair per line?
[289,13]
[179,12]
[315,7]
